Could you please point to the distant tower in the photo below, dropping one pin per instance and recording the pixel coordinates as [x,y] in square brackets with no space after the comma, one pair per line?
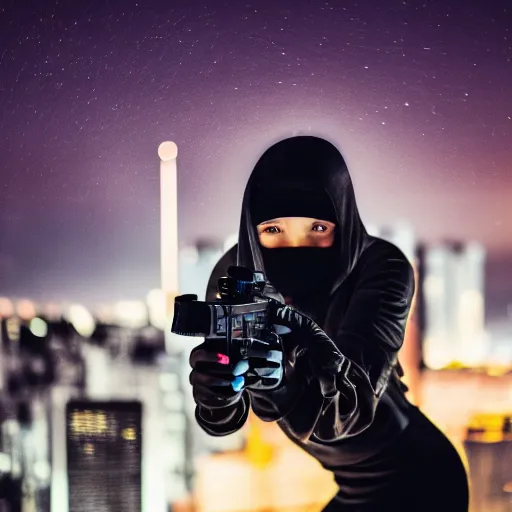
[103,448]
[168,153]
[403,236]
[473,339]
[454,303]
[196,265]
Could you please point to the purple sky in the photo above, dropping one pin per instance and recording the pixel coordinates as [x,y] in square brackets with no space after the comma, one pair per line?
[417,96]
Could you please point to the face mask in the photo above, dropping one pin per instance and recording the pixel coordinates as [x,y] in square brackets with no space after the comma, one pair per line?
[297,272]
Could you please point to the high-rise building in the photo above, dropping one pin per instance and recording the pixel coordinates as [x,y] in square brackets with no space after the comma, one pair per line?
[454,303]
[402,235]
[196,265]
[104,455]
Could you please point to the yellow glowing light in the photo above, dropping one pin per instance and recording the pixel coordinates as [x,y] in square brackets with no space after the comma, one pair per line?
[455,365]
[13,329]
[487,428]
[497,371]
[88,448]
[129,434]
[89,422]
[259,452]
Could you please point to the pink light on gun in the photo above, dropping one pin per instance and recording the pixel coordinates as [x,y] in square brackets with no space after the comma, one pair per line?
[222,359]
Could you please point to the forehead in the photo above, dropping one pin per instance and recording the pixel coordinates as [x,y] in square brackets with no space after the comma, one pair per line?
[295,220]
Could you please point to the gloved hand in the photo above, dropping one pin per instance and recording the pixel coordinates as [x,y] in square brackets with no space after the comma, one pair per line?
[327,362]
[213,383]
[217,382]
[262,366]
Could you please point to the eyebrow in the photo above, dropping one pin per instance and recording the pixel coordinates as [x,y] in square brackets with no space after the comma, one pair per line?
[271,221]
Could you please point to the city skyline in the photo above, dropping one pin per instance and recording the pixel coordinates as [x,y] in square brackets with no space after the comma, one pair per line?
[415,97]
[450,315]
[498,298]
[207,251]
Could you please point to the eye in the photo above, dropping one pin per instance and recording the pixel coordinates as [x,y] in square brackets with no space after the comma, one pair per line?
[321,228]
[272,230]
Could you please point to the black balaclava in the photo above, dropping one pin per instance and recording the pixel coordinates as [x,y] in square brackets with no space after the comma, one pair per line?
[296,272]
[302,176]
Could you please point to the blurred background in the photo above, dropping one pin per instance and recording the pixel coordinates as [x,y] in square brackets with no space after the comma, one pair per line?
[96,411]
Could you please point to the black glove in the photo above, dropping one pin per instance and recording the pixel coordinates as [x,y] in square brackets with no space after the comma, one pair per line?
[262,365]
[327,362]
[217,382]
[213,383]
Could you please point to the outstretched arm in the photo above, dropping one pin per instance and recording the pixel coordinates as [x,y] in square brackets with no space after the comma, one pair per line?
[352,367]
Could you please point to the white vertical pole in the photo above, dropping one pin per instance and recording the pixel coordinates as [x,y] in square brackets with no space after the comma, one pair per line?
[168,153]
[154,495]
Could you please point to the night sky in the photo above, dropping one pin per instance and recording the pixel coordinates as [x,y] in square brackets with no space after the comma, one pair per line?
[417,95]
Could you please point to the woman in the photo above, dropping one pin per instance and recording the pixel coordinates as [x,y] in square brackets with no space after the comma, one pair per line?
[348,296]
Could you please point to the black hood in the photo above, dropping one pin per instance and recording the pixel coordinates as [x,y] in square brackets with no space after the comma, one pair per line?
[299,163]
